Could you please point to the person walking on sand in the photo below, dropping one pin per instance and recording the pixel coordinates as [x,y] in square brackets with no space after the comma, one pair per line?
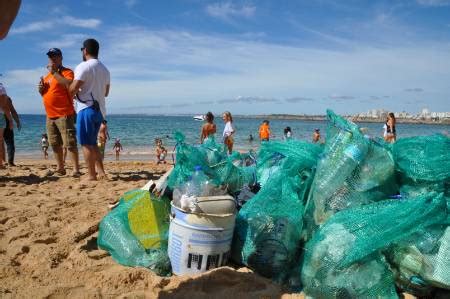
[90,86]
[264,131]
[8,134]
[117,148]
[228,131]
[59,109]
[103,136]
[5,114]
[209,128]
[390,134]
[44,145]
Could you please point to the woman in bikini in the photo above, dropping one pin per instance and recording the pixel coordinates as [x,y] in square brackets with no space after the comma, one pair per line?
[209,128]
[390,134]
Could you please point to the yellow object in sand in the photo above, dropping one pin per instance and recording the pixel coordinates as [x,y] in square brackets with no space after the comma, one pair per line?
[148,218]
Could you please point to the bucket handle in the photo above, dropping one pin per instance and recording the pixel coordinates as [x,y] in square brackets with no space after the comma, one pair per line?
[218,229]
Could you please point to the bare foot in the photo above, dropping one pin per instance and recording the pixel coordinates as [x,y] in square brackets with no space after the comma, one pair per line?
[60,172]
[103,177]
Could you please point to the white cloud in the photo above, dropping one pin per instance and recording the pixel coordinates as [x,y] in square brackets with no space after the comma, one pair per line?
[228,10]
[415,89]
[22,77]
[66,20]
[33,27]
[434,2]
[65,41]
[82,23]
[341,97]
[131,3]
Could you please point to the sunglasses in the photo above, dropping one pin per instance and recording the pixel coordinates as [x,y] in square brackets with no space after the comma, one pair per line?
[82,49]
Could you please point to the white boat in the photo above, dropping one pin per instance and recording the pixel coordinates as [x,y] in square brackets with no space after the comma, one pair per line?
[199,117]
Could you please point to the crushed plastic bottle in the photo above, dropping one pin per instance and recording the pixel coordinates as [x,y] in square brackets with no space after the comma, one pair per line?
[185,196]
[201,184]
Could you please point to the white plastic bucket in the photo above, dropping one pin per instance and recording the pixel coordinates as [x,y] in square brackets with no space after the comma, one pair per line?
[199,242]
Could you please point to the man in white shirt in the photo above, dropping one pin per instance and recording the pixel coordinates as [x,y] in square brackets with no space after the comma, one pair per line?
[90,87]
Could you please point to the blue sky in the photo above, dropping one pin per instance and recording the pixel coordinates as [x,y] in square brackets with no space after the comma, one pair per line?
[249,57]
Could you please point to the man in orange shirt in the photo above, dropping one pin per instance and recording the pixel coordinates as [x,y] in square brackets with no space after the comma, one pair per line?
[60,111]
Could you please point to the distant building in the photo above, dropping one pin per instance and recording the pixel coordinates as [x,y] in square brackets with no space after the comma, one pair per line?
[425,113]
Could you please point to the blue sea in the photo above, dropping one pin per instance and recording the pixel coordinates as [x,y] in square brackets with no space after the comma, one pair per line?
[138,132]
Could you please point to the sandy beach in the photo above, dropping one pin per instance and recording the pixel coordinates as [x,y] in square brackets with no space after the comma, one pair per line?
[48,248]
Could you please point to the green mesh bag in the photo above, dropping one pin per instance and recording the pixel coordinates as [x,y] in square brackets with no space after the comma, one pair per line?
[213,152]
[233,172]
[229,171]
[135,233]
[423,165]
[423,158]
[187,158]
[352,171]
[344,255]
[422,261]
[268,227]
[271,155]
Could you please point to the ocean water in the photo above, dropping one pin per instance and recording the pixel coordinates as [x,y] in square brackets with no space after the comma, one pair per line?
[138,132]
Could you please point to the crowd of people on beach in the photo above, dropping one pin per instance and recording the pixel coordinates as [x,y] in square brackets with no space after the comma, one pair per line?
[265,133]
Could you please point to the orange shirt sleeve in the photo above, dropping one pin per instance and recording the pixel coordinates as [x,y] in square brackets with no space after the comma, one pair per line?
[67,73]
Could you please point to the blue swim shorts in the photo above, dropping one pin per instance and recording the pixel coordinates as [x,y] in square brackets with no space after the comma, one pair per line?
[88,125]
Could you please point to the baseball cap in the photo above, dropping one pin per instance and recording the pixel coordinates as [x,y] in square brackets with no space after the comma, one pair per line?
[317,129]
[54,51]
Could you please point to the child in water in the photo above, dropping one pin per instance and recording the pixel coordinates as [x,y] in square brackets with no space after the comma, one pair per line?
[316,136]
[117,147]
[287,133]
[44,145]
[161,151]
[264,131]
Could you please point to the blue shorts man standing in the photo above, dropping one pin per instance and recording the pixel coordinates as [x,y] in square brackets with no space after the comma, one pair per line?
[90,87]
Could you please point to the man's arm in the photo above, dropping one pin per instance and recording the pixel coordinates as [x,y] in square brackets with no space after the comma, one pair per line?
[107,90]
[61,79]
[5,107]
[14,114]
[75,87]
[57,74]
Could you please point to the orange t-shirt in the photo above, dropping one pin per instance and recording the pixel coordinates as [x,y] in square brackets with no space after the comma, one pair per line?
[57,101]
[264,131]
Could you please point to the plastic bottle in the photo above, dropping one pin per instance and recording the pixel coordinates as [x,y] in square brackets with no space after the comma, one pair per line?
[347,154]
[201,184]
